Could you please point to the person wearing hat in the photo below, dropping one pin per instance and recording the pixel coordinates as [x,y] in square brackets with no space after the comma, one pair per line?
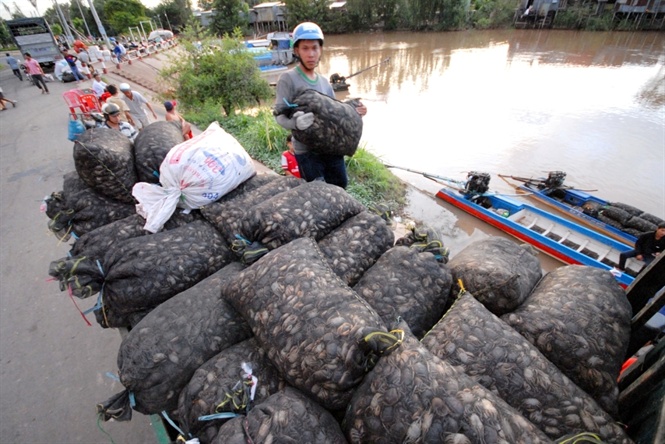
[112,120]
[647,247]
[135,102]
[308,48]
[174,116]
[98,85]
[117,99]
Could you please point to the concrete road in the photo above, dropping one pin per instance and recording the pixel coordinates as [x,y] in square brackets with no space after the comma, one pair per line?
[52,365]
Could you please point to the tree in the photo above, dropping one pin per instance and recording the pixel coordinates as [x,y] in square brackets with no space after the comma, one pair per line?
[216,72]
[205,5]
[178,12]
[306,11]
[229,15]
[5,37]
[122,14]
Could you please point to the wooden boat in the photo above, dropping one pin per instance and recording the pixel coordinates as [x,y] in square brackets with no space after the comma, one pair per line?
[576,204]
[560,238]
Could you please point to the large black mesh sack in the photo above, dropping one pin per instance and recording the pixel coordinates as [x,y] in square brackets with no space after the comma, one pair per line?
[640,224]
[337,126]
[97,242]
[628,208]
[354,246]
[142,272]
[57,201]
[425,239]
[617,214]
[161,353]
[85,211]
[651,218]
[104,160]
[498,272]
[109,318]
[408,284]
[472,338]
[227,214]
[219,386]
[151,146]
[286,417]
[312,209]
[411,396]
[309,322]
[579,318]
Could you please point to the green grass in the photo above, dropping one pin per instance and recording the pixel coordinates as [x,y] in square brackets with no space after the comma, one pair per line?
[370,182]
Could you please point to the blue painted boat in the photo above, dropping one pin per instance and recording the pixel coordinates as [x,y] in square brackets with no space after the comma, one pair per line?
[558,237]
[576,204]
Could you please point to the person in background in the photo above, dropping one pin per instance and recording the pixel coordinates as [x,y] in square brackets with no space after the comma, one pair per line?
[35,72]
[4,100]
[84,69]
[71,61]
[98,86]
[14,65]
[117,100]
[647,248]
[135,102]
[289,161]
[174,116]
[112,121]
[308,47]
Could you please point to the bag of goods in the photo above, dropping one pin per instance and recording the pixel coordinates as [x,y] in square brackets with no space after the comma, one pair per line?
[498,272]
[227,214]
[424,239]
[312,209]
[412,396]
[194,173]
[160,354]
[651,218]
[628,208]
[151,146]
[142,272]
[109,318]
[617,214]
[405,283]
[353,247]
[85,211]
[97,242]
[579,318]
[309,322]
[287,416]
[473,339]
[337,126]
[104,160]
[57,202]
[225,384]
[640,224]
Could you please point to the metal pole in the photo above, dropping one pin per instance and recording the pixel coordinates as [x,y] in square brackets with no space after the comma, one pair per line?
[167,21]
[100,27]
[65,25]
[85,22]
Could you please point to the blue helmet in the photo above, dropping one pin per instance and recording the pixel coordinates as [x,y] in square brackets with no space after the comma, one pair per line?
[307,31]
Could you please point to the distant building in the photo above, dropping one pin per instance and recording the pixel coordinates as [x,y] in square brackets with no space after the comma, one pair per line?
[205,17]
[268,17]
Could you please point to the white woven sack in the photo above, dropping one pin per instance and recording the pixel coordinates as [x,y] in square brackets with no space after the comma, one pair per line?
[193,174]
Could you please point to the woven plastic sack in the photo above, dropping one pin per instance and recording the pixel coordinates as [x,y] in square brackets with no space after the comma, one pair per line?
[218,386]
[286,417]
[151,146]
[354,246]
[498,272]
[405,283]
[160,354]
[411,396]
[104,160]
[194,173]
[472,338]
[579,318]
[337,126]
[309,322]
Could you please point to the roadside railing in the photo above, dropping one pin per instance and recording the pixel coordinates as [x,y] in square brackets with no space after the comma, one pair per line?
[100,58]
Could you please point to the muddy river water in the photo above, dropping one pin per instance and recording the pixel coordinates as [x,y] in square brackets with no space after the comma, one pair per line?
[520,102]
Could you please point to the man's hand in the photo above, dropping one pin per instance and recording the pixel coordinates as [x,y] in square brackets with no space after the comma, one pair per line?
[640,257]
[303,120]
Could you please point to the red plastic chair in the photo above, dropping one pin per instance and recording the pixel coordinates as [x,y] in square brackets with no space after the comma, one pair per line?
[80,102]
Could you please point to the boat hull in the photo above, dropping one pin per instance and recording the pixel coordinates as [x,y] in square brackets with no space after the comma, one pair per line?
[551,247]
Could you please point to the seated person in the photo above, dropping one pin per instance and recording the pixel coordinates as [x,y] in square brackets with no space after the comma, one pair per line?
[647,248]
[112,120]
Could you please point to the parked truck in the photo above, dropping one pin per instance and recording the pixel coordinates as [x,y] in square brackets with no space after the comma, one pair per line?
[33,35]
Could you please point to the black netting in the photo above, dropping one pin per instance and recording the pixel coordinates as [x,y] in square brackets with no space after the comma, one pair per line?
[579,318]
[408,284]
[151,146]
[498,272]
[104,160]
[309,322]
[617,214]
[470,337]
[354,246]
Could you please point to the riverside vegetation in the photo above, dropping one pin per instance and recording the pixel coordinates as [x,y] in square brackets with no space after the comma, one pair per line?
[216,81]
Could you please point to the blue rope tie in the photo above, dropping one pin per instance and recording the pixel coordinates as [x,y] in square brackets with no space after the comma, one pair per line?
[222,415]
[166,416]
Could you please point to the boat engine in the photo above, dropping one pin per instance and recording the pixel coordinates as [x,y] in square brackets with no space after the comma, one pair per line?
[477,183]
[555,179]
